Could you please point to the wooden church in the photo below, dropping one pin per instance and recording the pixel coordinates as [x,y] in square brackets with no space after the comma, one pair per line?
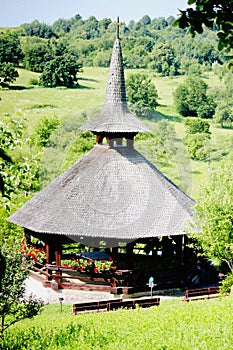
[113,198]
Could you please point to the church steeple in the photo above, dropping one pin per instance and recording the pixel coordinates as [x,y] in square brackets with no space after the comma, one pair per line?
[115,121]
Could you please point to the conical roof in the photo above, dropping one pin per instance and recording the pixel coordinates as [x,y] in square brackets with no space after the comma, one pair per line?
[110,193]
[115,116]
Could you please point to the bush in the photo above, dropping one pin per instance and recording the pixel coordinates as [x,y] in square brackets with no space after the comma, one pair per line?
[227,284]
[33,81]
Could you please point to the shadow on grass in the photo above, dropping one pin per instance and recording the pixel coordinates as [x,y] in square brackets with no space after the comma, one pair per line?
[88,79]
[83,87]
[196,172]
[227,127]
[155,116]
[19,87]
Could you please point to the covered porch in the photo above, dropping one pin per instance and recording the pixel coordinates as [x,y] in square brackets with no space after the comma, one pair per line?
[123,268]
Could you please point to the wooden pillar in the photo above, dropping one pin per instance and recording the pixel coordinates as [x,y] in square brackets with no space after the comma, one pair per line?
[129,255]
[115,255]
[180,257]
[48,260]
[58,253]
[99,139]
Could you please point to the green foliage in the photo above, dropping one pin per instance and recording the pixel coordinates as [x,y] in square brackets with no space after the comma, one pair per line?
[214,217]
[197,137]
[8,73]
[14,306]
[83,142]
[141,91]
[38,29]
[159,147]
[191,99]
[21,174]
[10,50]
[163,60]
[227,284]
[213,14]
[173,325]
[34,81]
[223,115]
[10,55]
[44,129]
[35,56]
[60,71]
[197,125]
[197,145]
[92,40]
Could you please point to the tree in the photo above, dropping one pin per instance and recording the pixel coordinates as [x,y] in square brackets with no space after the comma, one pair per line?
[10,50]
[191,99]
[103,24]
[8,74]
[141,91]
[216,14]
[14,306]
[223,114]
[38,29]
[197,137]
[214,224]
[44,129]
[145,20]
[10,55]
[61,71]
[163,60]
[35,57]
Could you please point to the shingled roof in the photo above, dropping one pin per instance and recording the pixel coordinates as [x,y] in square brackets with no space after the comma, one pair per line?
[112,192]
[108,193]
[115,116]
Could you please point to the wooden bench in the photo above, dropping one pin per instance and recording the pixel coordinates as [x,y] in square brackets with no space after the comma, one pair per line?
[201,293]
[114,304]
[132,303]
[92,306]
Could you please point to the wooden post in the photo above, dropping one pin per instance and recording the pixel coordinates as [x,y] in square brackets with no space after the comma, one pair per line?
[58,253]
[129,254]
[47,251]
[115,255]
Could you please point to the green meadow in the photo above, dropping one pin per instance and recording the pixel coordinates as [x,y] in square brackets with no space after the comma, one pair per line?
[173,325]
[33,102]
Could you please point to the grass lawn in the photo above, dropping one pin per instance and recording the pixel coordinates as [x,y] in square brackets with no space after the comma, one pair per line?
[200,325]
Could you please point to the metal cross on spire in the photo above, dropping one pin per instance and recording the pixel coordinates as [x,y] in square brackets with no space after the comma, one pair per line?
[117,28]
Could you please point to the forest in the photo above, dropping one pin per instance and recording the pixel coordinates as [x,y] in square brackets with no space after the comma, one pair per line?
[155,44]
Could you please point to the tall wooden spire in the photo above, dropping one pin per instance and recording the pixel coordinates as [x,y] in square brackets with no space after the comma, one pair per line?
[115,116]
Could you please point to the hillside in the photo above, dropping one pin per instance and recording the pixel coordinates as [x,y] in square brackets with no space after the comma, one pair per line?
[72,106]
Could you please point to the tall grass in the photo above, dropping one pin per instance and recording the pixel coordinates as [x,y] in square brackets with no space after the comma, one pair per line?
[199,325]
